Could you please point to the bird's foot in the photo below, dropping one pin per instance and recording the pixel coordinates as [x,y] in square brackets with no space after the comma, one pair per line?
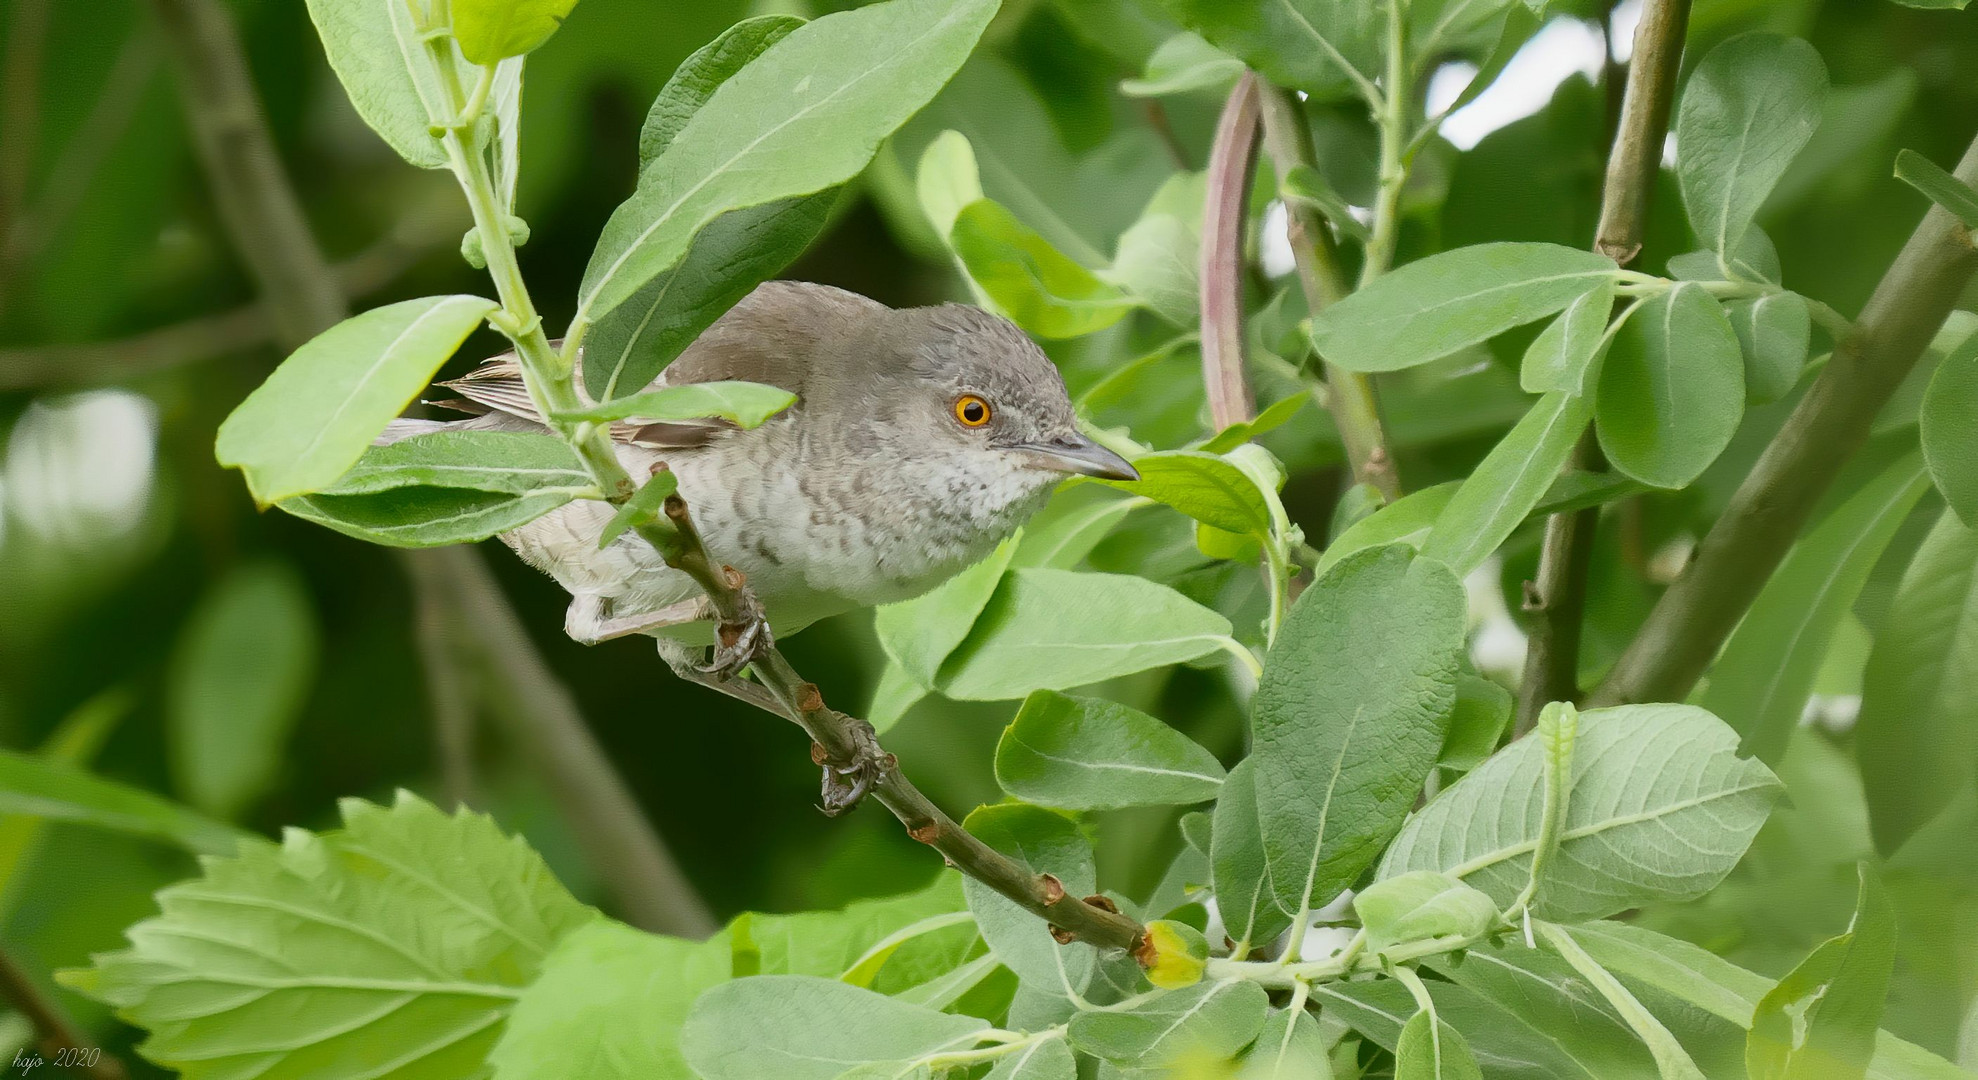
[740,642]
[845,785]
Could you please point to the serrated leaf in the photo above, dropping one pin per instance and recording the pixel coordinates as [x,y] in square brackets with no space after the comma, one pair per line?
[1447,302]
[427,516]
[1501,492]
[508,462]
[1208,1020]
[396,944]
[1917,734]
[1244,896]
[315,416]
[1949,420]
[1820,1021]
[744,404]
[1661,809]
[628,990]
[1349,714]
[1092,754]
[1748,109]
[1774,334]
[1044,842]
[1047,629]
[1039,287]
[240,674]
[633,342]
[1204,486]
[57,792]
[1568,349]
[808,115]
[1761,681]
[800,1027]
[493,30]
[1671,390]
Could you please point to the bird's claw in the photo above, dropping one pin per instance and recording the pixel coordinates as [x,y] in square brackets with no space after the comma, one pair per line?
[739,643]
[845,786]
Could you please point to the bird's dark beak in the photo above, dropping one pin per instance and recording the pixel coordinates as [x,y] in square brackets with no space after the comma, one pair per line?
[1078,454]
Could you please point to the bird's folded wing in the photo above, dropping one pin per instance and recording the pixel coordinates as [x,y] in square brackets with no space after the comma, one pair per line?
[497,386]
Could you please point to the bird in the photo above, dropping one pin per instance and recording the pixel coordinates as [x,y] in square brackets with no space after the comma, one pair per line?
[920,439]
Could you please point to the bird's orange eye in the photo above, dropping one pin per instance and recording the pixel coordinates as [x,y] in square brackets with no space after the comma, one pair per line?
[972,411]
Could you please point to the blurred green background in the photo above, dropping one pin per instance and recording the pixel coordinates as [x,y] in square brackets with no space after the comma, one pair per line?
[142,595]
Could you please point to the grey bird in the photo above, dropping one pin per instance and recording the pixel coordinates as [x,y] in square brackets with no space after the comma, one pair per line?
[920,439]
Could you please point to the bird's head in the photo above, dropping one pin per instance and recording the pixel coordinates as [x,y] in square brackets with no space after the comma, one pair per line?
[977,389]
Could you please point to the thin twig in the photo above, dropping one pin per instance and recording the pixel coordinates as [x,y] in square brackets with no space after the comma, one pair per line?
[302,299]
[541,716]
[445,652]
[1232,158]
[53,1028]
[1697,613]
[1556,599]
[1350,395]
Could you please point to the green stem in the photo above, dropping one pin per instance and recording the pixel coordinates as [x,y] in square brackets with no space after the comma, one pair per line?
[1392,118]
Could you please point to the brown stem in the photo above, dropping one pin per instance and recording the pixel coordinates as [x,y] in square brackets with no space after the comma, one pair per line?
[1231,160]
[847,742]
[1350,395]
[53,1029]
[264,218]
[1697,613]
[1556,600]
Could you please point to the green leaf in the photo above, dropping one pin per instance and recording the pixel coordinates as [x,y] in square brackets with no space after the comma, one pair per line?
[1729,992]
[1308,185]
[1661,809]
[1420,905]
[1774,333]
[1546,999]
[807,115]
[1242,875]
[1408,520]
[48,789]
[1071,525]
[1568,349]
[1546,1036]
[1317,46]
[240,674]
[1206,1021]
[1183,63]
[1291,1047]
[643,508]
[1159,255]
[1672,1062]
[1949,420]
[1505,486]
[315,416]
[1578,489]
[1483,710]
[841,944]
[948,180]
[1092,754]
[1204,486]
[493,30]
[1039,287]
[1050,629]
[1046,1059]
[1748,109]
[628,992]
[1450,301]
[381,59]
[744,404]
[634,341]
[919,634]
[1935,5]
[1917,735]
[73,745]
[1671,389]
[1349,714]
[507,462]
[1763,677]
[1820,1021]
[799,1027]
[1938,186]
[1426,1050]
[1044,842]
[396,944]
[427,516]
